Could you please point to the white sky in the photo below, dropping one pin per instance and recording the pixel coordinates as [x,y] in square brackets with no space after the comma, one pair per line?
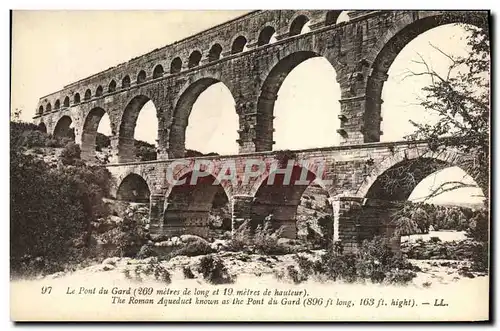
[51,49]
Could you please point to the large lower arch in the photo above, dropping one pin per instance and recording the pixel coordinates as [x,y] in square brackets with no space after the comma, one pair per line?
[395,178]
[133,188]
[277,199]
[183,108]
[390,45]
[63,128]
[188,206]
[269,94]
[126,141]
[89,133]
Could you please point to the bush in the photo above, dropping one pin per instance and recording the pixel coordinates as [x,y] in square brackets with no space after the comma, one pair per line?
[373,261]
[479,227]
[194,248]
[308,267]
[55,206]
[145,151]
[435,239]
[266,238]
[480,258]
[241,239]
[295,275]
[151,269]
[70,154]
[187,272]
[214,271]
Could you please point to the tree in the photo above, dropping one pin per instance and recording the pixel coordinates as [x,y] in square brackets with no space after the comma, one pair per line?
[421,219]
[461,99]
[405,226]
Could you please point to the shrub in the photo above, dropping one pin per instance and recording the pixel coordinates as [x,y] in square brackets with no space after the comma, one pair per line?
[480,258]
[479,226]
[242,238]
[145,151]
[152,269]
[397,276]
[187,272]
[70,154]
[295,275]
[55,206]
[435,239]
[266,238]
[214,271]
[374,261]
[308,267]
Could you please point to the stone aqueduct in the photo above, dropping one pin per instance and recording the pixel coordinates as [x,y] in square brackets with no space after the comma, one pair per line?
[239,54]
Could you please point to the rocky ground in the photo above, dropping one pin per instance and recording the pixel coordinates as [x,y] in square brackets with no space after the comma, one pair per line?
[244,265]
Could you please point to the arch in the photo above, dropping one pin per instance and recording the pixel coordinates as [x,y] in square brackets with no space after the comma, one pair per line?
[112,86]
[141,77]
[215,52]
[386,51]
[188,207]
[126,82]
[40,110]
[413,162]
[133,188]
[63,128]
[57,104]
[298,23]
[89,133]
[126,145]
[184,105]
[176,65]
[76,99]
[238,45]
[42,127]
[194,59]
[66,102]
[158,71]
[332,16]
[278,200]
[88,94]
[49,107]
[265,35]
[98,91]
[343,17]
[269,94]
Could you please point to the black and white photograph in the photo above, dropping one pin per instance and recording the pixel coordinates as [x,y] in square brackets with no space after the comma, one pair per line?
[259,165]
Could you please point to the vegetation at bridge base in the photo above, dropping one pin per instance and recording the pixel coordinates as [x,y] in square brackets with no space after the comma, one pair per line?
[214,271]
[373,261]
[52,208]
[419,218]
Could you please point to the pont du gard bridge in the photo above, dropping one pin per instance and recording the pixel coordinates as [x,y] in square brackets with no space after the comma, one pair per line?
[238,53]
